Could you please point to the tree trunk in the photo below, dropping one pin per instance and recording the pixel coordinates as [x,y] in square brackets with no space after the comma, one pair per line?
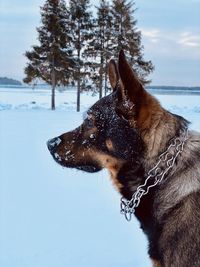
[106,75]
[100,82]
[53,86]
[79,71]
[53,98]
[101,72]
[105,84]
[78,91]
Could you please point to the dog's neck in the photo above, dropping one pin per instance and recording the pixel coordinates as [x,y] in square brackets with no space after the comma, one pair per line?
[131,175]
[134,174]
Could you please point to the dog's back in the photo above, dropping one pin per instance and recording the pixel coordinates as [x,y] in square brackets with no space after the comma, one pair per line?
[177,210]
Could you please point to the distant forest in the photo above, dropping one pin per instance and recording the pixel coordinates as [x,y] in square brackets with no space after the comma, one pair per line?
[9,81]
[164,87]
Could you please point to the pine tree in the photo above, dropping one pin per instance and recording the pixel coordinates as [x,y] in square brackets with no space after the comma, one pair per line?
[81,29]
[52,59]
[99,48]
[127,36]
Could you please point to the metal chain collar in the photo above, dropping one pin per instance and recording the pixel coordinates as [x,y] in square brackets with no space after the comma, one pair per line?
[155,175]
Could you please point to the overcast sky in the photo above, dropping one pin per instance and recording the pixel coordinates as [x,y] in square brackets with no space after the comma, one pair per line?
[170,35]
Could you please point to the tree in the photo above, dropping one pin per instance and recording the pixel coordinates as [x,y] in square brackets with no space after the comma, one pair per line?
[81,28]
[127,36]
[100,46]
[52,59]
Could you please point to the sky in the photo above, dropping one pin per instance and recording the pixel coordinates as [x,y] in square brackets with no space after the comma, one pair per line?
[170,36]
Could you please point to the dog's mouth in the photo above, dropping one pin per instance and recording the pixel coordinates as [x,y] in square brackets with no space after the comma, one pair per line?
[70,163]
[88,168]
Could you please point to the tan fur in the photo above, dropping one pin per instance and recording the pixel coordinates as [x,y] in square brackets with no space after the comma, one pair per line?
[153,124]
[156,263]
[148,123]
[112,164]
[149,109]
[113,73]
[109,144]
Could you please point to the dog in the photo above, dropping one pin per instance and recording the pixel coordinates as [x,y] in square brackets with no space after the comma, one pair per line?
[153,160]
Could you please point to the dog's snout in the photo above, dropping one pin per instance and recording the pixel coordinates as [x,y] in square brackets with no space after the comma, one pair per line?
[53,143]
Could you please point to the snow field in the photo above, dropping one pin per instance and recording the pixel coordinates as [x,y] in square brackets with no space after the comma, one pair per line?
[56,217]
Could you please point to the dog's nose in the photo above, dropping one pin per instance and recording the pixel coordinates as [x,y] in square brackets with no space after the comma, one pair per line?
[53,143]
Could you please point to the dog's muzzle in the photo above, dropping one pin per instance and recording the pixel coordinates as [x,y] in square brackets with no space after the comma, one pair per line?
[52,144]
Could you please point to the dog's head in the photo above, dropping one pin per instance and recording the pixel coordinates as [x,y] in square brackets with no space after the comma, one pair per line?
[110,135]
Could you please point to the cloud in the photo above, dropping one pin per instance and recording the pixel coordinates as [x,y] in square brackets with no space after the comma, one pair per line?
[151,34]
[165,42]
[175,54]
[189,40]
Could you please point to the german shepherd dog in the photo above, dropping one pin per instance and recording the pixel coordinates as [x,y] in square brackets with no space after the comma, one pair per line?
[127,132]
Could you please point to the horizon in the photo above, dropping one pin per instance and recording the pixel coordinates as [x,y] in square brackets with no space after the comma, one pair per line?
[43,83]
[170,36]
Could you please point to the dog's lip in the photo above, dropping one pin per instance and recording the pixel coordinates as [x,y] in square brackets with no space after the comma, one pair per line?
[89,168]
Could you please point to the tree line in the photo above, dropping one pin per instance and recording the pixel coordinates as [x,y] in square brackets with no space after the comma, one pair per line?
[75,44]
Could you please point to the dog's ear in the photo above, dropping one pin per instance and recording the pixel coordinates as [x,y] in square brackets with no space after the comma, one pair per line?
[132,87]
[113,74]
[140,104]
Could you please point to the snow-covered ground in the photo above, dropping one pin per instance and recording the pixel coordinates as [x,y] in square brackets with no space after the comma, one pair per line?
[55,217]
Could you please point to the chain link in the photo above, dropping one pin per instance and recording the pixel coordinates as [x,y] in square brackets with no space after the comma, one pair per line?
[155,175]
